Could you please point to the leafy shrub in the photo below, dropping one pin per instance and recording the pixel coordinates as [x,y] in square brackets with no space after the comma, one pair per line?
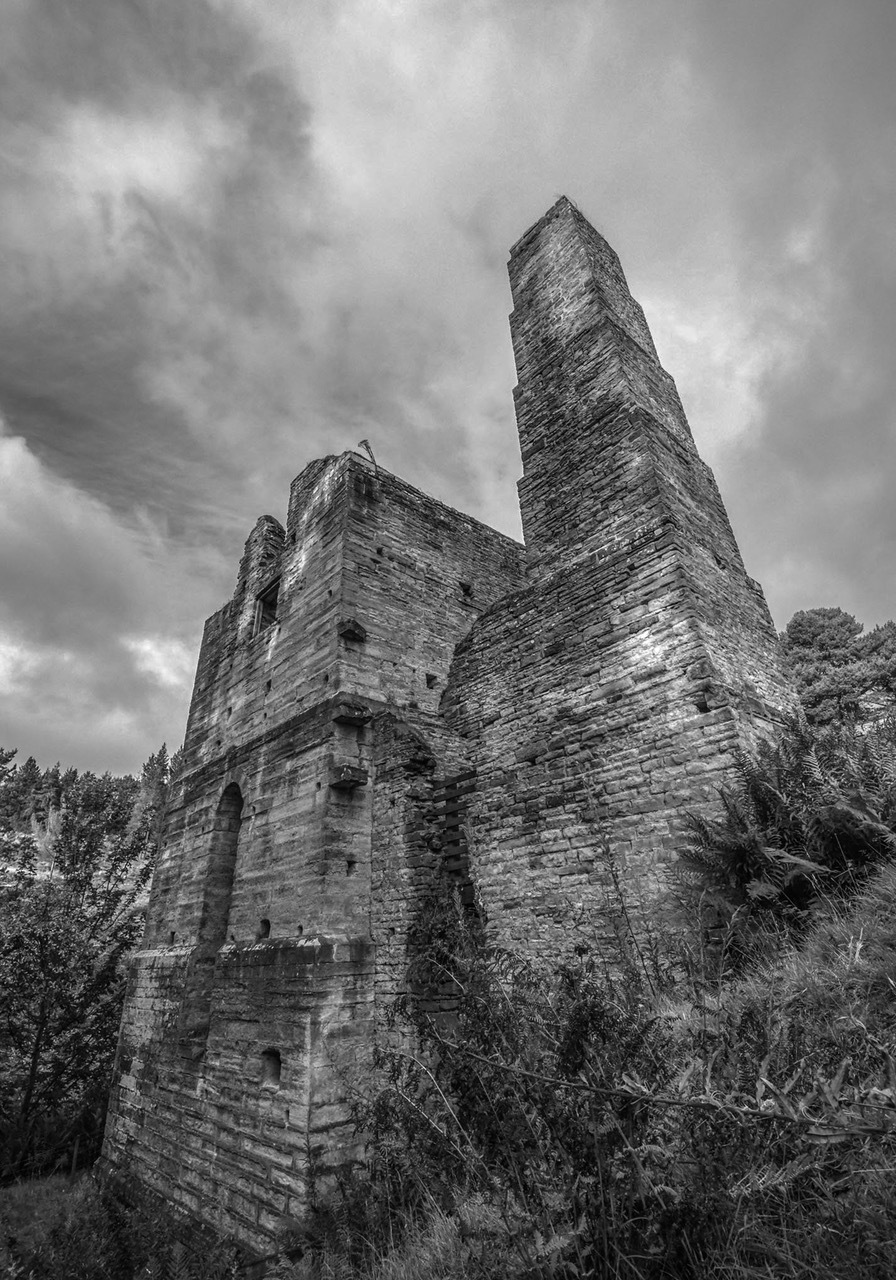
[810,818]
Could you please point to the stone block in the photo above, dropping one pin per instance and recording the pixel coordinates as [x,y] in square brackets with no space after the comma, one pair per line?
[347,777]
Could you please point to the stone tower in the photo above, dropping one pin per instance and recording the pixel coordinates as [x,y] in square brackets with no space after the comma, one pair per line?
[606,698]
[396,690]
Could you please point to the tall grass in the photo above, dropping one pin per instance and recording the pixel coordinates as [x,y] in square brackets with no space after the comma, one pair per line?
[62,1228]
[593,1122]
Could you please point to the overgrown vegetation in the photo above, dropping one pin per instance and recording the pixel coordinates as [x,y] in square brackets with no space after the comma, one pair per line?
[810,818]
[719,1100]
[76,855]
[62,1228]
[723,1104]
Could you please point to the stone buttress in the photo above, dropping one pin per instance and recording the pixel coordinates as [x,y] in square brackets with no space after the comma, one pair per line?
[395,692]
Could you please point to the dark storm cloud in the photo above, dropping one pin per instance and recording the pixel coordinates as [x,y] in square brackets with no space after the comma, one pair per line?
[140,143]
[92,654]
[141,147]
[236,236]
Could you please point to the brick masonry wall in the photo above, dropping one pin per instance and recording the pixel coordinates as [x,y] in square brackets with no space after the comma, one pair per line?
[415,575]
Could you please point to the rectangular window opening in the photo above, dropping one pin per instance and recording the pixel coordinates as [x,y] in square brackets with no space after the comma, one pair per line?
[266,607]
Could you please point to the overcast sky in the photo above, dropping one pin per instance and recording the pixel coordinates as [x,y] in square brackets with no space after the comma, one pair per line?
[236,235]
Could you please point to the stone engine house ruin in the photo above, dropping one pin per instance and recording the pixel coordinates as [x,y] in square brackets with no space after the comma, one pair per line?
[395,687]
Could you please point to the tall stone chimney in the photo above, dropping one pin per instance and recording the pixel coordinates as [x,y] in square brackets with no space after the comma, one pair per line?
[586,361]
[616,690]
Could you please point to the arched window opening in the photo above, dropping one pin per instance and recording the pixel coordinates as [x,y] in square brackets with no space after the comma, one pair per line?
[271,1067]
[264,928]
[221,867]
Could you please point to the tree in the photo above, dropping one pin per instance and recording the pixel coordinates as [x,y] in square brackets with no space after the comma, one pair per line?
[841,674]
[71,910]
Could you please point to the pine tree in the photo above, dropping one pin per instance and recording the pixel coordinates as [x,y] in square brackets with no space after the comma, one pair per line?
[841,674]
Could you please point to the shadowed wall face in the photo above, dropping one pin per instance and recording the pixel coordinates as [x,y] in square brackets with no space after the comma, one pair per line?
[196,1003]
[221,867]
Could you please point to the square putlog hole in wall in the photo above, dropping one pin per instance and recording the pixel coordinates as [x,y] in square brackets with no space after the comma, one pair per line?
[352,630]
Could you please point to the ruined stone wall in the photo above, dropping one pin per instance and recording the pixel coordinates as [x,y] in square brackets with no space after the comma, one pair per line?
[258,939]
[579,697]
[397,696]
[211,1134]
[258,717]
[415,575]
[419,838]
[377,584]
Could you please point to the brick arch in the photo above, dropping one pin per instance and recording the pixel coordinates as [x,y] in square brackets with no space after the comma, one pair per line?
[236,778]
